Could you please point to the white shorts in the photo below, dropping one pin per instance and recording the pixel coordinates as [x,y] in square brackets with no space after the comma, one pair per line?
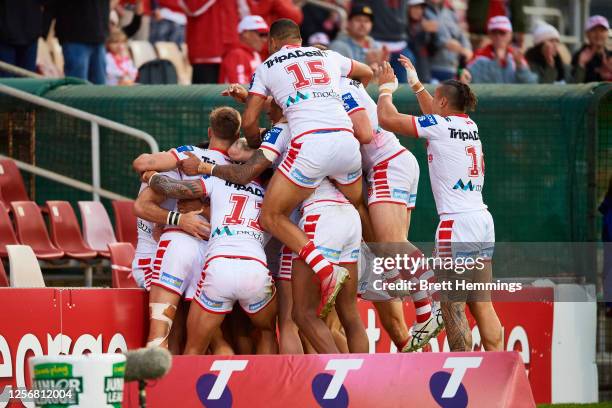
[367,278]
[178,263]
[335,231]
[470,234]
[141,270]
[314,156]
[394,180]
[226,281]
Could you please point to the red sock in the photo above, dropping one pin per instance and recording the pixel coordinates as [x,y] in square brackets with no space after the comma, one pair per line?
[311,255]
[422,309]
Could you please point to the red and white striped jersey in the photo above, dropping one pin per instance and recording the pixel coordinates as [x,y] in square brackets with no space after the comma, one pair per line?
[305,83]
[456,161]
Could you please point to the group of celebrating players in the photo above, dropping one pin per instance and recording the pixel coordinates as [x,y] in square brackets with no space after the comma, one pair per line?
[212,218]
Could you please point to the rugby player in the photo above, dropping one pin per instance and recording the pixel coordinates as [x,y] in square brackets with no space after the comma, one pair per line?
[329,221]
[392,180]
[456,170]
[236,268]
[304,82]
[181,249]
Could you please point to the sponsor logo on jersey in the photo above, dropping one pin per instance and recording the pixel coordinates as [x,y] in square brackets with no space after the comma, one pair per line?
[256,306]
[208,160]
[427,120]
[292,55]
[460,134]
[249,188]
[185,148]
[469,186]
[144,227]
[326,94]
[355,253]
[213,304]
[329,253]
[354,175]
[233,232]
[222,231]
[298,97]
[355,83]
[271,135]
[299,176]
[171,280]
[401,195]
[349,102]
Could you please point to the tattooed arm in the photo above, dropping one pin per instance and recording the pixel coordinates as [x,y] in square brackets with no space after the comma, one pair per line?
[161,161]
[181,189]
[457,329]
[243,173]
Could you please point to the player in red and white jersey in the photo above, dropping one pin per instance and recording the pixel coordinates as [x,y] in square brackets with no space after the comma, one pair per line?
[304,82]
[236,268]
[332,223]
[179,256]
[456,169]
[392,179]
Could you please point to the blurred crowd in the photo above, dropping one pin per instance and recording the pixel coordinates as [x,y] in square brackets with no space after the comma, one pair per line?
[222,41]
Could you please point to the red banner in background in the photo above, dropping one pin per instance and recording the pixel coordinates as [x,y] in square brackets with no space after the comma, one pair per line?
[527,326]
[68,321]
[50,321]
[358,380]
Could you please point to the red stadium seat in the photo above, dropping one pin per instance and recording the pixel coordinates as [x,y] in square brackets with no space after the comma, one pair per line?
[32,231]
[97,228]
[11,183]
[122,255]
[7,234]
[3,279]
[65,231]
[125,222]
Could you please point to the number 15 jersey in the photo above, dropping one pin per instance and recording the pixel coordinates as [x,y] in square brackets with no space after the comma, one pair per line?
[456,161]
[305,83]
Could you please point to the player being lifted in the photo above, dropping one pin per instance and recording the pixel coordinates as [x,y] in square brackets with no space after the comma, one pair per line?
[456,170]
[304,82]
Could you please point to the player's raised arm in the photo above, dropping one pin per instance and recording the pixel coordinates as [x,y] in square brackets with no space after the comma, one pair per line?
[388,116]
[239,173]
[423,96]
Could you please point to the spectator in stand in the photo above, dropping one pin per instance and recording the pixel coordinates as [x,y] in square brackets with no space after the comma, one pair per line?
[593,62]
[211,29]
[82,27]
[131,28]
[423,38]
[544,58]
[481,11]
[20,26]
[167,22]
[499,62]
[240,62]
[120,69]
[356,43]
[390,30]
[319,20]
[456,49]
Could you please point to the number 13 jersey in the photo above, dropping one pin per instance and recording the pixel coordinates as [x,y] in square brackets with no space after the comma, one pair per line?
[456,161]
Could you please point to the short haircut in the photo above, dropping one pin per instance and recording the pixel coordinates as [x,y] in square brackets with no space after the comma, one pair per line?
[285,29]
[459,95]
[225,123]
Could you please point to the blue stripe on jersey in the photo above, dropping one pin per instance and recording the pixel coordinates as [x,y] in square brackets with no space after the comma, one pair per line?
[185,148]
[349,102]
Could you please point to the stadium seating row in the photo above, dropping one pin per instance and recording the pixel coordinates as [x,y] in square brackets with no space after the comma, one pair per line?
[26,272]
[22,224]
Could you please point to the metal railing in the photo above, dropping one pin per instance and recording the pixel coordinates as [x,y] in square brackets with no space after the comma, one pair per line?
[96,121]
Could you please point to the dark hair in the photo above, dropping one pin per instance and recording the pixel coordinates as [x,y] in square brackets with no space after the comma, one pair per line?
[225,123]
[535,56]
[460,95]
[285,29]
